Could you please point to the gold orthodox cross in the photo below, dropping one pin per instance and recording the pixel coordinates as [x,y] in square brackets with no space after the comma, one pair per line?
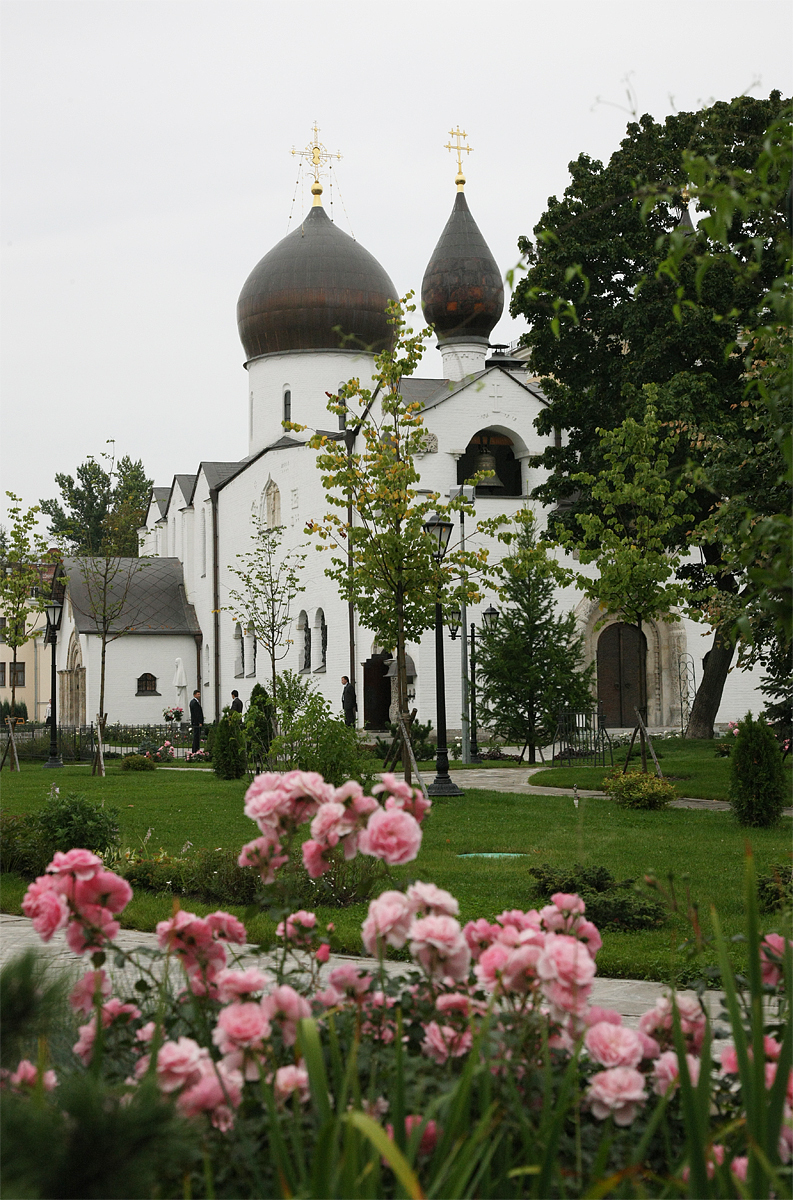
[459,134]
[316,155]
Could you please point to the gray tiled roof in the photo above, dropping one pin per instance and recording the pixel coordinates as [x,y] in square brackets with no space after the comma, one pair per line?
[186,483]
[216,473]
[149,593]
[160,496]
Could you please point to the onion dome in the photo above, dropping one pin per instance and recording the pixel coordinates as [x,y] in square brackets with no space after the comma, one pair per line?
[462,294]
[315,290]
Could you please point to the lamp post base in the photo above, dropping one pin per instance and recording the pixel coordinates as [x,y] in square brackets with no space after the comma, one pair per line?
[443,784]
[53,762]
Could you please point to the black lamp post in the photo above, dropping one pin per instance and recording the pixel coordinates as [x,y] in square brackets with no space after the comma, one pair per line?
[440,531]
[53,609]
[489,618]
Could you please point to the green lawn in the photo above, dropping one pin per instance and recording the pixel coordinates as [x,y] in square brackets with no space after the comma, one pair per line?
[693,767]
[708,847]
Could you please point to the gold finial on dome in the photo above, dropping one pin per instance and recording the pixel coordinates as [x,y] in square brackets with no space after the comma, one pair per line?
[317,155]
[457,134]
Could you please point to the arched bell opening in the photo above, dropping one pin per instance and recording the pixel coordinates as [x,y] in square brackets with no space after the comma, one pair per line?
[489,450]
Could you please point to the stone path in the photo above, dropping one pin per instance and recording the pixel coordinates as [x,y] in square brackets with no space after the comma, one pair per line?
[630,997]
[518,780]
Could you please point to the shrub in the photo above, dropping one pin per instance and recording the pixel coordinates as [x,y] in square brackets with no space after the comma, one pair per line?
[775,890]
[637,790]
[7,709]
[72,819]
[312,739]
[259,725]
[757,778]
[611,905]
[228,748]
[137,762]
[23,846]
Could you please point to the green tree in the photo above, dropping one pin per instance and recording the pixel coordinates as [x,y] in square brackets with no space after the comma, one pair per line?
[634,509]
[228,748]
[608,316]
[531,663]
[103,497]
[259,726]
[21,580]
[758,788]
[383,561]
[270,581]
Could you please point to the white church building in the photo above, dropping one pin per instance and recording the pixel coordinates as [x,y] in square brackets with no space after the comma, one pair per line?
[312,284]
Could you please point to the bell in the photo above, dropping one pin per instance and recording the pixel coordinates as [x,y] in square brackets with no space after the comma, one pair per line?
[487,462]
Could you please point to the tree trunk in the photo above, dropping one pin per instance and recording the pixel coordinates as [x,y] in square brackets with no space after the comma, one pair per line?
[14,684]
[99,761]
[708,697]
[402,690]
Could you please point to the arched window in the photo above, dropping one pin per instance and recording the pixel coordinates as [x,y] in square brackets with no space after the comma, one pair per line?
[239,652]
[147,685]
[321,649]
[249,651]
[489,450]
[271,514]
[287,404]
[304,642]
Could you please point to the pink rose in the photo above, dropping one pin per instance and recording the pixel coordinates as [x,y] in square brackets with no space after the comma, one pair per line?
[241,1026]
[217,1091]
[395,787]
[519,973]
[618,1092]
[178,1064]
[589,934]
[614,1045]
[47,908]
[330,823]
[104,889]
[594,1014]
[227,927]
[314,858]
[94,928]
[772,950]
[479,935]
[454,1002]
[666,1072]
[232,983]
[438,945]
[429,1136]
[264,855]
[350,980]
[388,921]
[82,864]
[520,920]
[290,1080]
[83,995]
[442,1042]
[566,971]
[426,897]
[393,836]
[570,905]
[491,963]
[286,1007]
[323,953]
[26,1076]
[84,1046]
[729,1060]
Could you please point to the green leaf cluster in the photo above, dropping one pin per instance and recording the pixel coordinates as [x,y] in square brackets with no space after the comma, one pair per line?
[100,511]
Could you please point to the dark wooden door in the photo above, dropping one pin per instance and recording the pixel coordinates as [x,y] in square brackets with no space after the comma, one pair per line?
[620,648]
[376,692]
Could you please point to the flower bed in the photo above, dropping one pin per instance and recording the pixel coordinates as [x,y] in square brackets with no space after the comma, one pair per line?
[483,1070]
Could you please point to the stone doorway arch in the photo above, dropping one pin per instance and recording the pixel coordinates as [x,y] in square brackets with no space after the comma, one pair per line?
[72,686]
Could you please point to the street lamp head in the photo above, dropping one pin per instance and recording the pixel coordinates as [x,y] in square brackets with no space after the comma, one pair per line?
[490,617]
[455,620]
[440,531]
[53,609]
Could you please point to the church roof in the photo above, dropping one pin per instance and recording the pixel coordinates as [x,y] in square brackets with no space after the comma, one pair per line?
[186,484]
[216,473]
[462,294]
[150,594]
[313,288]
[432,392]
[160,496]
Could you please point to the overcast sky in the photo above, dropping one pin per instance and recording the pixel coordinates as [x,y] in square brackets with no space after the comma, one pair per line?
[146,168]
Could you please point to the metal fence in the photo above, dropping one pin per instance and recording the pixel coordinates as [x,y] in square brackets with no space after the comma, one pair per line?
[581,739]
[78,743]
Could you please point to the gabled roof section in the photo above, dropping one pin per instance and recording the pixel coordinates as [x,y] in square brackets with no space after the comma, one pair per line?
[444,389]
[144,595]
[160,497]
[217,473]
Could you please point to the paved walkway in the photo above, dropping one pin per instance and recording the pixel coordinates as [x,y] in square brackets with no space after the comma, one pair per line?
[518,780]
[630,997]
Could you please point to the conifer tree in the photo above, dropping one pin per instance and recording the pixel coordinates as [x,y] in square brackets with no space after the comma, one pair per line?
[758,788]
[531,661]
[228,748]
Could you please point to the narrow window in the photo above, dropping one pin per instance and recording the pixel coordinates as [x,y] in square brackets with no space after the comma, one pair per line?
[147,685]
[2,674]
[17,672]
[2,629]
[287,405]
[239,653]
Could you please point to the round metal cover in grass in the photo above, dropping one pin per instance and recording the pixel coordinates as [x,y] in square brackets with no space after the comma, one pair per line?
[481,854]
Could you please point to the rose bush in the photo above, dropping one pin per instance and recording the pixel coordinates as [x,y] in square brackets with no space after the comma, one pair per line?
[483,1069]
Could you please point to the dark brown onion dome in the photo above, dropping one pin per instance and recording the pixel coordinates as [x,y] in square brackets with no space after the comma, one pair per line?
[316,281]
[462,294]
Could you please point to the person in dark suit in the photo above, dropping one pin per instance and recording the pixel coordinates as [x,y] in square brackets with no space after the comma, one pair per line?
[196,718]
[348,702]
[236,703]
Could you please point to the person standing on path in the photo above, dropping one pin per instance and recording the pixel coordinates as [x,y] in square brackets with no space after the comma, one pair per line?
[348,702]
[236,703]
[196,719]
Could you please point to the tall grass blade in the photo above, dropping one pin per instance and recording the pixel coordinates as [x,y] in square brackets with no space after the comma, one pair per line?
[389,1151]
